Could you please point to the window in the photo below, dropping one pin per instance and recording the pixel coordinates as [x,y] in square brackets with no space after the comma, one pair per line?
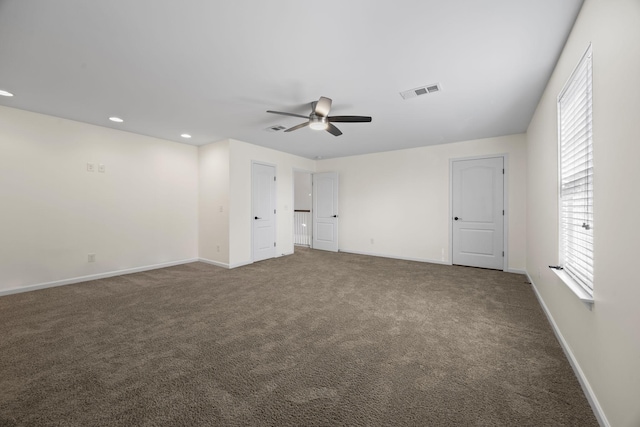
[576,175]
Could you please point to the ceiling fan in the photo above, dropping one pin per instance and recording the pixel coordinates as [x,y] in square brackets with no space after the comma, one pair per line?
[319,119]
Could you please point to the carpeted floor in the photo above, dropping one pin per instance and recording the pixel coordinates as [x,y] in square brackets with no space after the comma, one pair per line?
[310,339]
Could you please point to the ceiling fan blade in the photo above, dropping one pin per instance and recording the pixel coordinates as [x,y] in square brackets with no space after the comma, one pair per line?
[349,119]
[333,130]
[300,126]
[323,106]
[287,114]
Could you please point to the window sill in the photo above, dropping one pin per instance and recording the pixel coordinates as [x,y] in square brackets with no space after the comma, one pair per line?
[584,296]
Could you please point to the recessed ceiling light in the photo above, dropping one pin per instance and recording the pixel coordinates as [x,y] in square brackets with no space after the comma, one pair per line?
[116,119]
[5,93]
[186,135]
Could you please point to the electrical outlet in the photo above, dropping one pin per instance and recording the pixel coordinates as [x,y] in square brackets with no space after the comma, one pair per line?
[92,257]
[221,209]
[218,248]
[102,168]
[91,167]
[372,241]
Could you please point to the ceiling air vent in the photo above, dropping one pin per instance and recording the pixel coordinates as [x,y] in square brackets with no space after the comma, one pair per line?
[424,90]
[276,128]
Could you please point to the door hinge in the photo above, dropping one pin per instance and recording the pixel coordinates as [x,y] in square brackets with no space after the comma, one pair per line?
[274,244]
[502,253]
[502,171]
[274,211]
[502,212]
[274,178]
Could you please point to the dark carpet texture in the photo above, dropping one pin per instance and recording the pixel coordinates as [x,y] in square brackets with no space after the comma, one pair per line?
[311,339]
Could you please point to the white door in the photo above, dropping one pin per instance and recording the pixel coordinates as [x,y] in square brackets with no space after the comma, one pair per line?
[478,215]
[325,211]
[264,211]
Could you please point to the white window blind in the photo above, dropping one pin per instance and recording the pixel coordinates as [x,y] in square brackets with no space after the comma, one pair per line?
[576,174]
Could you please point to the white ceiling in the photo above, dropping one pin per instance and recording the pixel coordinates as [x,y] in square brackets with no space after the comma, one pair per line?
[213,68]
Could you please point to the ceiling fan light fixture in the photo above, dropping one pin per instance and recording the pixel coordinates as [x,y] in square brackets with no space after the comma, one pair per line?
[318,123]
[319,119]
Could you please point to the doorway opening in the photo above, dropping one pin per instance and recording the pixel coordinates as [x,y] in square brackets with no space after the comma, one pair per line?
[302,205]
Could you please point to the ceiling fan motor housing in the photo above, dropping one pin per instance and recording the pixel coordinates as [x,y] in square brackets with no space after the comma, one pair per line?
[317,122]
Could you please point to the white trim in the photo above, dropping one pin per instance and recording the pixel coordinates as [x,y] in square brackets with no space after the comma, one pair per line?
[236,265]
[515,271]
[431,261]
[224,264]
[505,205]
[94,277]
[241,264]
[582,379]
[580,292]
[212,262]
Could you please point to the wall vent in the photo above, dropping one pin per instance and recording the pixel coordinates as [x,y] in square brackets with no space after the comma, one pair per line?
[275,128]
[424,90]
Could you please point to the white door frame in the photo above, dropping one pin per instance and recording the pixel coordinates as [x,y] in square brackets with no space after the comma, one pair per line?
[505,204]
[275,203]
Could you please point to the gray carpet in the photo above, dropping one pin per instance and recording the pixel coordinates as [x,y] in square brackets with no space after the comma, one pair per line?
[311,339]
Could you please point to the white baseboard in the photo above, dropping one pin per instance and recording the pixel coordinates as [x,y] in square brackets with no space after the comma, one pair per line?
[237,264]
[93,277]
[212,262]
[224,264]
[240,264]
[432,261]
[582,379]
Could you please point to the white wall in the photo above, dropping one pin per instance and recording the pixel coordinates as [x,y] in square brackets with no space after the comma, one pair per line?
[400,199]
[241,155]
[53,213]
[605,342]
[213,210]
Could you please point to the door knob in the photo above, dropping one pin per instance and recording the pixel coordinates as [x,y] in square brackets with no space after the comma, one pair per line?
[456,218]
[258,217]
[335,216]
